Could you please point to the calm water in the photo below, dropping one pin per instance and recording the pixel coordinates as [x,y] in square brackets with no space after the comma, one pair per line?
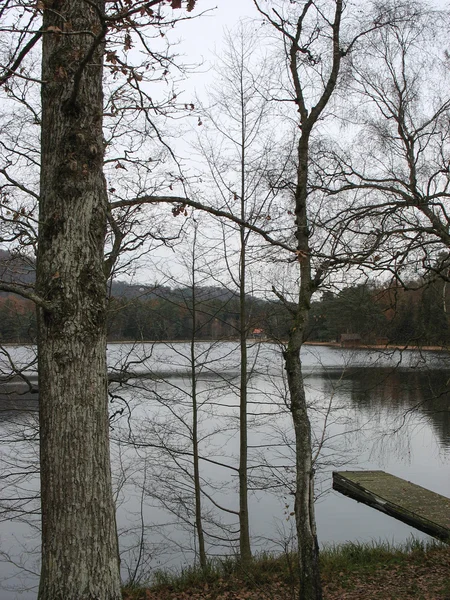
[370,410]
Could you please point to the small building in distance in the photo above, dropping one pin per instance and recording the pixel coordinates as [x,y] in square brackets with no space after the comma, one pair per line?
[258,334]
[349,340]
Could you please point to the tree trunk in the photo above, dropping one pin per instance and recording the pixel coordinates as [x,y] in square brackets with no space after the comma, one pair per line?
[79,539]
[244,526]
[197,480]
[308,548]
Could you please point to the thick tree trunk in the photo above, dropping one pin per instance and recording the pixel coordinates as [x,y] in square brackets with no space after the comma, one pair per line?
[79,539]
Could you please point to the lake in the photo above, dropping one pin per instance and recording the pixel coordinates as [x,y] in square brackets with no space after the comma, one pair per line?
[370,409]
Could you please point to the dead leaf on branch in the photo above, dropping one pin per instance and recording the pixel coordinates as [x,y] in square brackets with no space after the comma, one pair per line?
[127,42]
[301,255]
[111,57]
[178,4]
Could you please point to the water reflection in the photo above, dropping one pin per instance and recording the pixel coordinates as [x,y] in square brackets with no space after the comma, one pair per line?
[387,410]
[400,393]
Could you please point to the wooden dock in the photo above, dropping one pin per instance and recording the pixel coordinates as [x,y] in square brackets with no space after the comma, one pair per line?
[421,508]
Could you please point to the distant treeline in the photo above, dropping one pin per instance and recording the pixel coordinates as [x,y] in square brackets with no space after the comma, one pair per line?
[415,314]
[181,313]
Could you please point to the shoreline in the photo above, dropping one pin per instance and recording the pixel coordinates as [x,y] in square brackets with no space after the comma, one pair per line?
[352,570]
[400,347]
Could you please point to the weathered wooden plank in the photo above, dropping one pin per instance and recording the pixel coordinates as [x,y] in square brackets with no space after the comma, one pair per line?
[423,509]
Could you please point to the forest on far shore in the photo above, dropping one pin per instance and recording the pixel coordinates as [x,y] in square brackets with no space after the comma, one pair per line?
[415,314]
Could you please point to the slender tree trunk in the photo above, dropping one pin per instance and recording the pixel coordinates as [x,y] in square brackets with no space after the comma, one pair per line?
[308,547]
[197,482]
[244,526]
[299,42]
[79,539]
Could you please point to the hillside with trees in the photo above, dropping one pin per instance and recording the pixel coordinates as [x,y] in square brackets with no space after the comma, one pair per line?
[415,315]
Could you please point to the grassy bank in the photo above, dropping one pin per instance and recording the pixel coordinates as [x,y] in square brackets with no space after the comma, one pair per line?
[351,571]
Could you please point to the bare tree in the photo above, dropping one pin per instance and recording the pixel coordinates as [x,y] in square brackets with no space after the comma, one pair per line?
[397,185]
[235,145]
[315,37]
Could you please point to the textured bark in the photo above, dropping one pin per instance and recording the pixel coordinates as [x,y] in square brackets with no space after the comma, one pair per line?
[79,539]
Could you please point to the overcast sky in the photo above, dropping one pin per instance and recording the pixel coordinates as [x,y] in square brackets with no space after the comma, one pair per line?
[202,36]
[200,39]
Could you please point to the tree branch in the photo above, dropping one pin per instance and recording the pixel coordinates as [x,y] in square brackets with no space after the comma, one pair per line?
[10,71]
[29,295]
[181,202]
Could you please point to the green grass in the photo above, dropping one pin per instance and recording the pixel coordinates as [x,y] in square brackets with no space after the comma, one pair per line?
[263,568]
[368,556]
[338,562]
[355,554]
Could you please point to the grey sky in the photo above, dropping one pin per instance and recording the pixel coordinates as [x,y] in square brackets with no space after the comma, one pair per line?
[201,37]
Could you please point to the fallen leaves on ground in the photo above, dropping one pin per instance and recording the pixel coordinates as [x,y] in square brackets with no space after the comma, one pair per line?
[419,577]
